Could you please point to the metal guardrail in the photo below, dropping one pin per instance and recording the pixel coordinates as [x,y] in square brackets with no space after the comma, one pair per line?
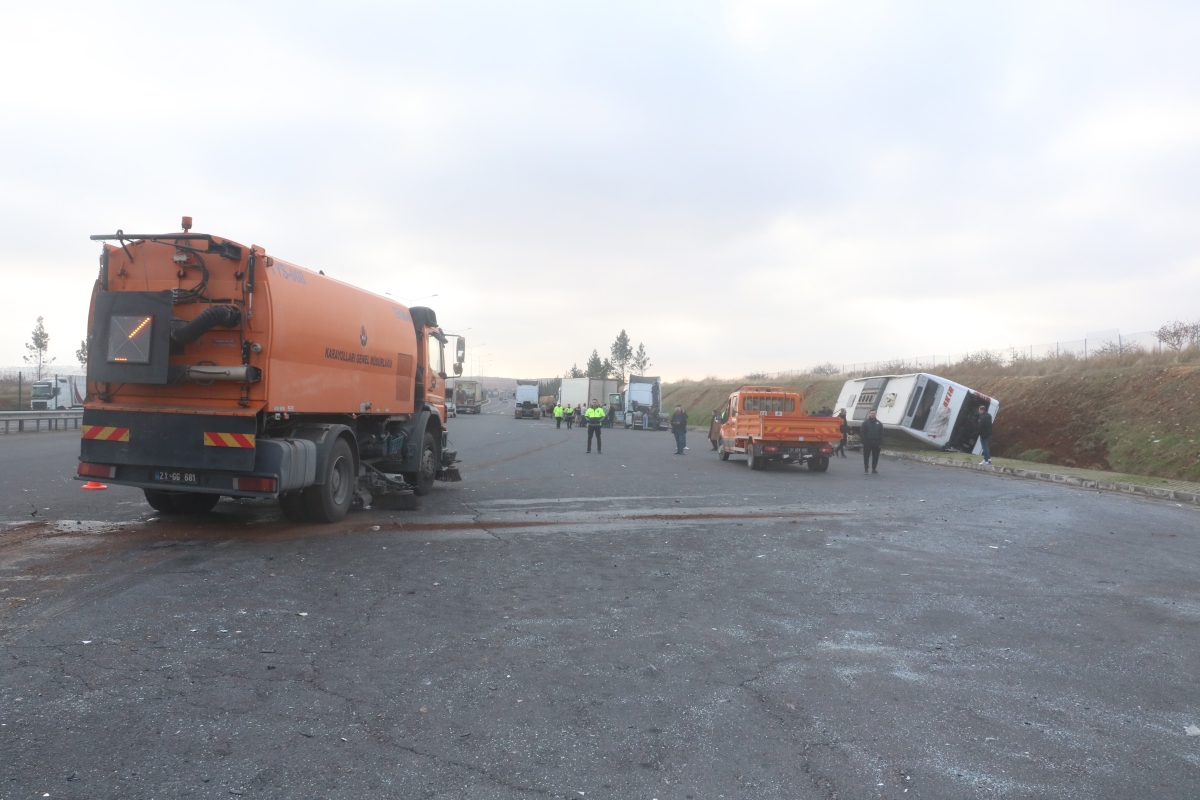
[15,421]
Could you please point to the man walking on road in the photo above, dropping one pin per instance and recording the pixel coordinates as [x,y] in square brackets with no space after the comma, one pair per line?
[679,428]
[558,415]
[569,416]
[871,434]
[985,434]
[595,418]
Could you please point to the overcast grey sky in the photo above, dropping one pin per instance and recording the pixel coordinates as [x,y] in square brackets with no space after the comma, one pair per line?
[741,186]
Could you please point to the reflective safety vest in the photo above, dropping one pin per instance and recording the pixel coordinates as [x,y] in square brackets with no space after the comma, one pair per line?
[558,412]
[595,416]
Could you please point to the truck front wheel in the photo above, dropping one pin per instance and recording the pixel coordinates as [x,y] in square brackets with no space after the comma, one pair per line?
[431,458]
[330,501]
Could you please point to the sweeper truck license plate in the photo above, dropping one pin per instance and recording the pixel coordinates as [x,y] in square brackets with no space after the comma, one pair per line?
[167,476]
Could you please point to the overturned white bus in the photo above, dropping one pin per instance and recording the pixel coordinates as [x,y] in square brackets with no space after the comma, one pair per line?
[929,408]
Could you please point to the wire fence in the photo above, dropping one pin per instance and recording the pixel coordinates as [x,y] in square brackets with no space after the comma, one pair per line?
[28,374]
[1102,343]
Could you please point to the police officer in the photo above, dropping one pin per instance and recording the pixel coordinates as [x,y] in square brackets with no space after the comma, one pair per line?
[569,416]
[595,418]
[558,415]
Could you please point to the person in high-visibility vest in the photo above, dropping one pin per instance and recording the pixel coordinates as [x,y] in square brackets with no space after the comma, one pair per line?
[595,418]
[558,414]
[569,416]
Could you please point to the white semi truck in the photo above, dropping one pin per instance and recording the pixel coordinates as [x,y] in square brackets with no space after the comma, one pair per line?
[526,400]
[59,392]
[582,391]
[641,403]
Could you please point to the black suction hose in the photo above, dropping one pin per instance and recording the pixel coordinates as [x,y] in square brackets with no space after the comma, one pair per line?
[206,320]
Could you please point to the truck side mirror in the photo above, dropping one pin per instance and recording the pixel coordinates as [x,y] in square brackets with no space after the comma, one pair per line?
[460,352]
[458,368]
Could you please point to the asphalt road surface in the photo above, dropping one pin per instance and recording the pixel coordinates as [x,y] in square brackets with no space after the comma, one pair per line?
[632,624]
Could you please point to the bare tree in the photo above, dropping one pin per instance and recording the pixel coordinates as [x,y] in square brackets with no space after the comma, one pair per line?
[640,361]
[1178,335]
[37,346]
[82,353]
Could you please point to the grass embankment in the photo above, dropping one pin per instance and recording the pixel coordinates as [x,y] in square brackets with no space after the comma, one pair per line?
[1134,415]
[8,396]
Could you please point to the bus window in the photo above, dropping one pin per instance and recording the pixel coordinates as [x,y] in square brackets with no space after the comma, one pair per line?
[933,389]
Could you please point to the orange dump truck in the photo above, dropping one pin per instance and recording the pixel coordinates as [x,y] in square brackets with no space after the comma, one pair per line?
[216,369]
[768,423]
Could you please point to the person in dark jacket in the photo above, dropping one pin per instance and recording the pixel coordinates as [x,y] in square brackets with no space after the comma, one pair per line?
[714,428]
[871,434]
[679,422]
[841,448]
[985,434]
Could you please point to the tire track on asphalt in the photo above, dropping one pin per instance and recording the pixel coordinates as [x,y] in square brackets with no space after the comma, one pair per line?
[522,454]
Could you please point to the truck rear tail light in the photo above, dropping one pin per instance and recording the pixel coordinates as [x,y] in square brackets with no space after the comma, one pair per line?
[97,470]
[770,448]
[254,484]
[826,451]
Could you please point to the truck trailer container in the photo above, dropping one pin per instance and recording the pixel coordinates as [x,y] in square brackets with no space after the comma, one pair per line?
[468,396]
[933,410]
[217,369]
[582,391]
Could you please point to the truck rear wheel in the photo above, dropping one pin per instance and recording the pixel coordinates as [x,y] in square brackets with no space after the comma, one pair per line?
[294,507]
[753,460]
[422,479]
[181,502]
[163,502]
[330,501]
[818,463]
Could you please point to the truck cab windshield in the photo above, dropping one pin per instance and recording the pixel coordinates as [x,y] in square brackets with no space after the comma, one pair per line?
[43,390]
[435,357]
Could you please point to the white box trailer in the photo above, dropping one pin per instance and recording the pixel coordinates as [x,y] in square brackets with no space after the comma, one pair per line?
[582,391]
[933,410]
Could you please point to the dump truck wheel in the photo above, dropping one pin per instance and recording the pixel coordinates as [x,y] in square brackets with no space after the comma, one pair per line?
[753,461]
[818,463]
[294,506]
[195,503]
[163,502]
[181,502]
[422,479]
[723,454]
[330,501]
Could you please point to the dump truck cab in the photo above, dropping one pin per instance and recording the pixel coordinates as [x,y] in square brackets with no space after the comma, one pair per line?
[769,424]
[217,369]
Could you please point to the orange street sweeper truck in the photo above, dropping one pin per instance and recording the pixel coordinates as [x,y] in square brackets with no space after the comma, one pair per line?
[217,370]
